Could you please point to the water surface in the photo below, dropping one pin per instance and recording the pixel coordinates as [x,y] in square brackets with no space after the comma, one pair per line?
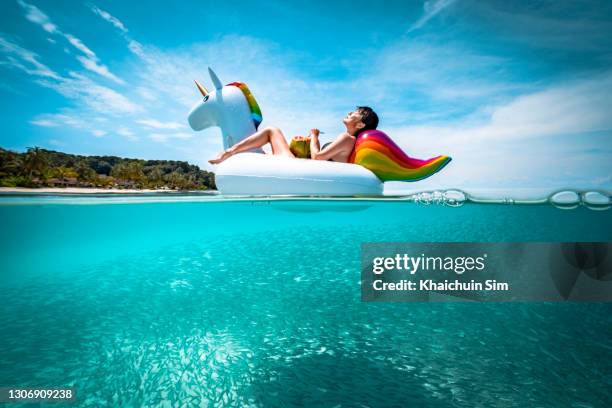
[257,303]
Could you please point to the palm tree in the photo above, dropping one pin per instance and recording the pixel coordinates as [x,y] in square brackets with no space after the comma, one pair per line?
[36,162]
[128,171]
[175,180]
[11,163]
[84,172]
[63,172]
[156,177]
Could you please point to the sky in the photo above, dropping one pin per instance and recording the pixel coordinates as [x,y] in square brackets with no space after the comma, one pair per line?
[518,93]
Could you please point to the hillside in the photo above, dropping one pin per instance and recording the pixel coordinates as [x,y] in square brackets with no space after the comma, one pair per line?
[48,168]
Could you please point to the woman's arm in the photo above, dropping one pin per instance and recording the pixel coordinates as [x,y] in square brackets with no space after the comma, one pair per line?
[337,146]
[315,147]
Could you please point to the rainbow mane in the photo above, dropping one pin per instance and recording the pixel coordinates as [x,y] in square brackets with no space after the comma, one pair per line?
[375,151]
[253,106]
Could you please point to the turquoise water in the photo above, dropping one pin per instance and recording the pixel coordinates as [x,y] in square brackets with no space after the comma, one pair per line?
[257,303]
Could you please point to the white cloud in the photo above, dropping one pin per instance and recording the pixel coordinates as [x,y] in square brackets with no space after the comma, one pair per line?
[554,137]
[134,46]
[570,108]
[417,72]
[108,17]
[35,15]
[128,134]
[88,94]
[59,119]
[165,137]
[69,118]
[28,57]
[555,25]
[156,124]
[78,44]
[158,137]
[430,9]
[44,123]
[94,66]
[183,135]
[146,94]
[137,48]
[90,62]
[124,132]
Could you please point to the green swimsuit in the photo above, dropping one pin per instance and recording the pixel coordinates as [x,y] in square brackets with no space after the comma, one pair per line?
[324,146]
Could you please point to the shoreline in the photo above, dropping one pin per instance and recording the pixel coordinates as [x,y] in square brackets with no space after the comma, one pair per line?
[85,190]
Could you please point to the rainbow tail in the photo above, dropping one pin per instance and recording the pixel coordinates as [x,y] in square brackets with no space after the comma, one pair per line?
[375,151]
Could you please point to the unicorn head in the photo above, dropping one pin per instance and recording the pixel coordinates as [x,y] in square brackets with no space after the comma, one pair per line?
[231,107]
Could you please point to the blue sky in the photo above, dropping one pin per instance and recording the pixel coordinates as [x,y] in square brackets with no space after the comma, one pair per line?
[518,94]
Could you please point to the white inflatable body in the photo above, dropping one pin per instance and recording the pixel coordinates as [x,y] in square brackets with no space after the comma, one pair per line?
[229,108]
[266,174]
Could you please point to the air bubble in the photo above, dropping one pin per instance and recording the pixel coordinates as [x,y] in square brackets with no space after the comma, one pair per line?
[451,198]
[565,199]
[429,197]
[454,198]
[596,200]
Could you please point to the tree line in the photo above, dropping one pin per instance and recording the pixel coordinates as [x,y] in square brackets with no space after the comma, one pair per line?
[39,167]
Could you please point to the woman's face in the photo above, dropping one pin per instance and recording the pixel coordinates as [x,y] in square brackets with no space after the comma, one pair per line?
[352,121]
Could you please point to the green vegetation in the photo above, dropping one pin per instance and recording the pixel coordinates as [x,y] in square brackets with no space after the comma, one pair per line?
[47,168]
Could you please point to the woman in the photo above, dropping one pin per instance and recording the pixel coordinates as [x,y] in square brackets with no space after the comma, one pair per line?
[361,119]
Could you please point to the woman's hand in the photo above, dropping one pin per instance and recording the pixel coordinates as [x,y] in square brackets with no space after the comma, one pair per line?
[314,132]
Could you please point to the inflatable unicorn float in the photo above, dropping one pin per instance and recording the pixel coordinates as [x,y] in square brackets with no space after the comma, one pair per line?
[375,159]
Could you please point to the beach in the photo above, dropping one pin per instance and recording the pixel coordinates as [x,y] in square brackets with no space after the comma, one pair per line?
[81,190]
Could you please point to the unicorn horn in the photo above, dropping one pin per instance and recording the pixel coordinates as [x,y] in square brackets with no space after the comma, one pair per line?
[215,79]
[201,88]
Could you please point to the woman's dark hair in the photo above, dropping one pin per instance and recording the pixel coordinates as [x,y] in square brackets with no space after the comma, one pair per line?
[368,117]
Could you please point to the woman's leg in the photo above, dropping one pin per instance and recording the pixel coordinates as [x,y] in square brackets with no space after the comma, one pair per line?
[271,135]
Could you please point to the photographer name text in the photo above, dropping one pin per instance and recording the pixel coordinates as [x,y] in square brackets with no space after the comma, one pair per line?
[413,265]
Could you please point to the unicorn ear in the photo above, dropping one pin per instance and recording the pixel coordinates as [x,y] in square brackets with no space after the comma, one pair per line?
[215,79]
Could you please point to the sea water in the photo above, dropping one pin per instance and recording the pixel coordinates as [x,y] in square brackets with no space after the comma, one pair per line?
[148,301]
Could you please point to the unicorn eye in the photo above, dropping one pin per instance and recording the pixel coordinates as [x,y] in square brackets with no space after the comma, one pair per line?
[205,98]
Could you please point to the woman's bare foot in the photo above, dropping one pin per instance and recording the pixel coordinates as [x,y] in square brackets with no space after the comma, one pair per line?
[222,156]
